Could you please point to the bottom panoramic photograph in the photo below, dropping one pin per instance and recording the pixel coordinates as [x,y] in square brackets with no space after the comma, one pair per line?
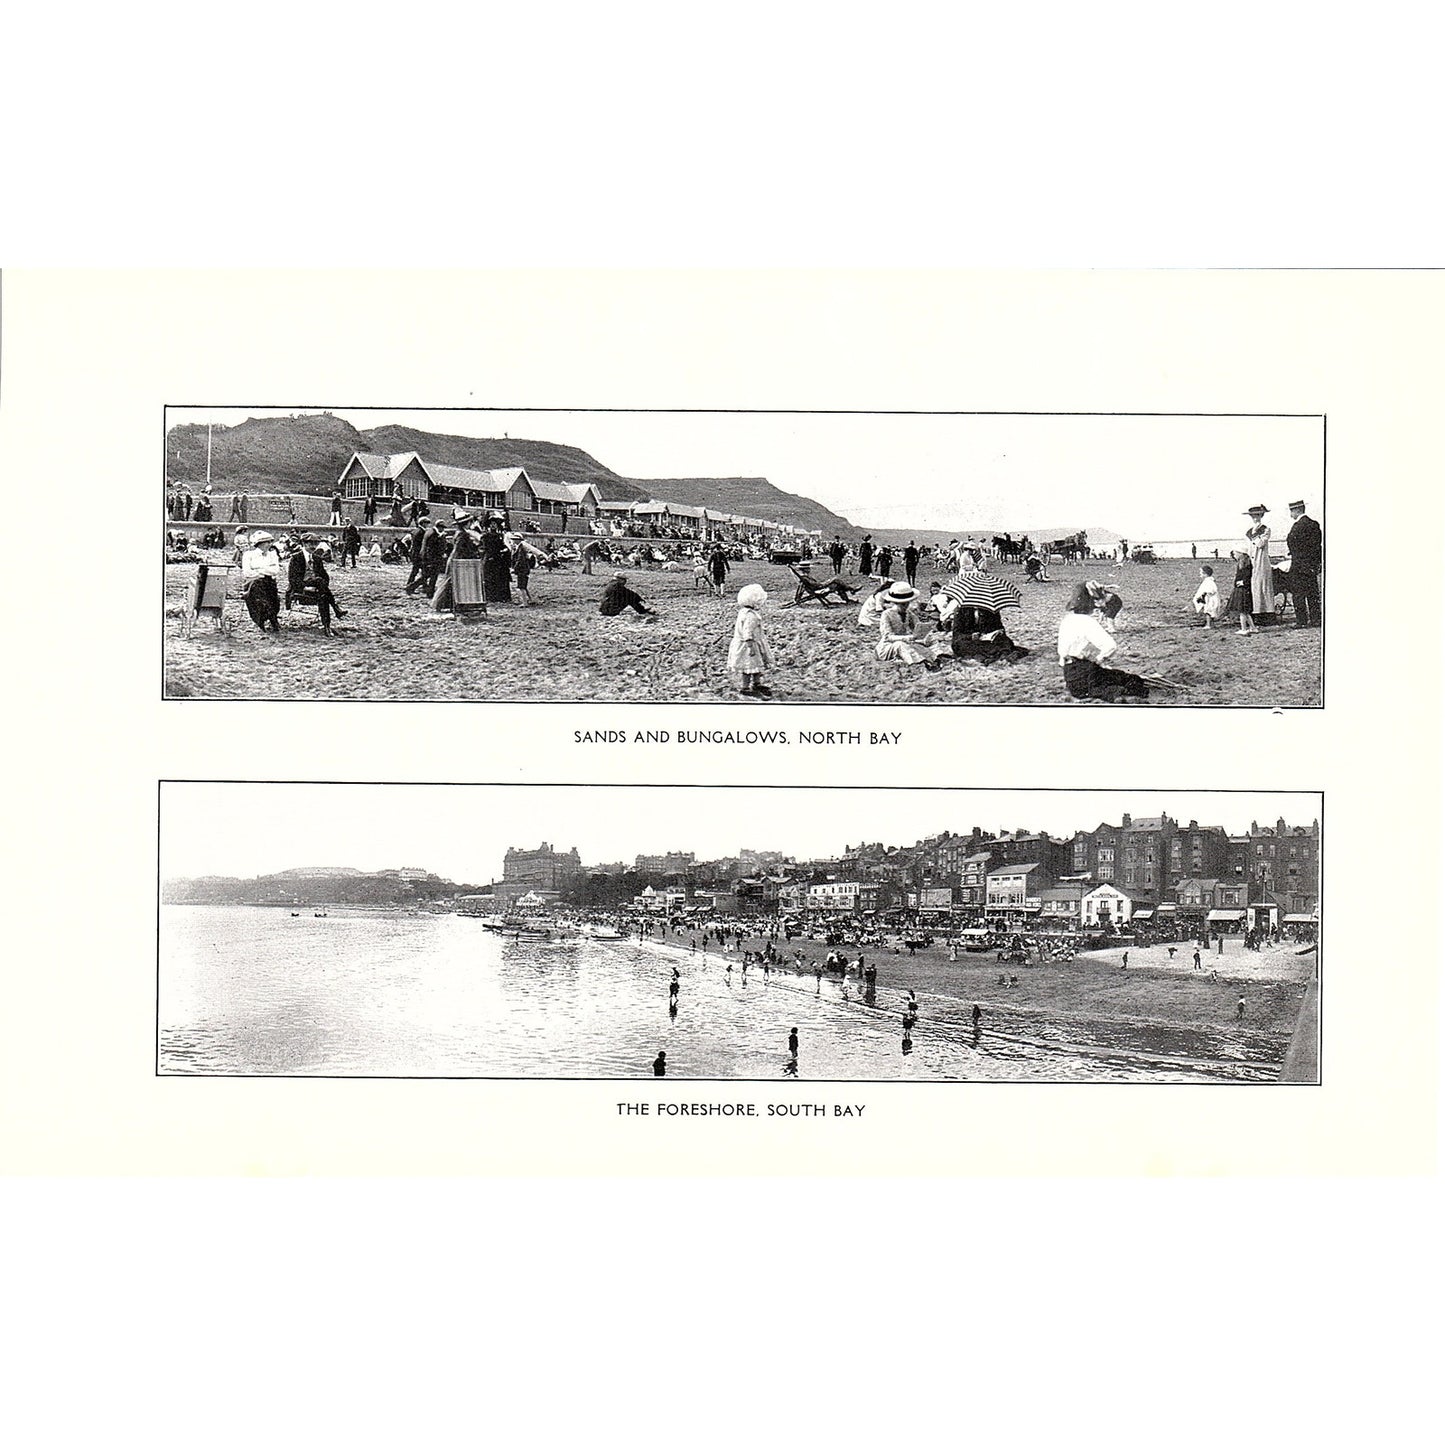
[673,933]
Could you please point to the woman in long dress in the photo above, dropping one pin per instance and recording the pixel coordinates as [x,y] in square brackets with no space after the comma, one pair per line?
[1256,539]
[902,633]
[466,548]
[496,566]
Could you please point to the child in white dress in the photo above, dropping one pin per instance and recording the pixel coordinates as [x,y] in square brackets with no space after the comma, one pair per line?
[750,656]
[1206,599]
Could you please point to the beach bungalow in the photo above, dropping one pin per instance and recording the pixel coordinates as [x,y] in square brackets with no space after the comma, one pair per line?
[368,474]
[572,499]
[690,519]
[505,489]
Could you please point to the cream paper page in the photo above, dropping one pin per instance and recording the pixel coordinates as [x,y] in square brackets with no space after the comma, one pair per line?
[91,360]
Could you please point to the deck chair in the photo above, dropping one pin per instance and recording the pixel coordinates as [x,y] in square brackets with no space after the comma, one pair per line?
[468,594]
[208,595]
[825,594]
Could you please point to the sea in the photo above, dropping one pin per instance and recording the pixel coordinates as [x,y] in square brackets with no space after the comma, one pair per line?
[255,991]
[1211,548]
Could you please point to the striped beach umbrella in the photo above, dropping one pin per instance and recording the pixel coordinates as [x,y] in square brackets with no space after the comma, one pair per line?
[983,589]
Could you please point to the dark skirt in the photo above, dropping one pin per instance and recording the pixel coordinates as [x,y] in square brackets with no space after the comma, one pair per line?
[263,601]
[496,579]
[1085,679]
[970,647]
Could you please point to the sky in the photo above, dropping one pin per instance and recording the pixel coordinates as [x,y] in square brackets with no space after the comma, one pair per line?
[461,832]
[1148,478]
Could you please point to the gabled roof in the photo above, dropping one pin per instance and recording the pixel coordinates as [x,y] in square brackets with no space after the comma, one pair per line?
[616,506]
[977,858]
[1068,893]
[564,491]
[373,464]
[1011,868]
[468,479]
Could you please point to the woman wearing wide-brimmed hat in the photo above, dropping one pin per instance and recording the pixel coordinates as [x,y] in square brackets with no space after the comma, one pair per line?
[902,635]
[466,547]
[260,567]
[1256,537]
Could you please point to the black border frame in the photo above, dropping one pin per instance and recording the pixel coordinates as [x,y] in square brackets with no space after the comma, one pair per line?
[1063,702]
[626,1081]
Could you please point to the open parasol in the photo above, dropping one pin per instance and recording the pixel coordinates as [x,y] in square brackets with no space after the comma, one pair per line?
[983,589]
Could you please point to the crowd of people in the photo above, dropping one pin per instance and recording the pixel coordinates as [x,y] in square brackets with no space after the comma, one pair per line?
[464,564]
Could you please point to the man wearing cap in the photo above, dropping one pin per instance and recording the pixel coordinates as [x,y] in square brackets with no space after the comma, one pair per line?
[309,583]
[1306,553]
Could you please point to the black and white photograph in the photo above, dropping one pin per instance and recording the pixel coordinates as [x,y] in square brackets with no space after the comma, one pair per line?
[581,932]
[713,556]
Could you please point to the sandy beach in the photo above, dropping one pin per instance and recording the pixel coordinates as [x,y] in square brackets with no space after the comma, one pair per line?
[393,647]
[1091,988]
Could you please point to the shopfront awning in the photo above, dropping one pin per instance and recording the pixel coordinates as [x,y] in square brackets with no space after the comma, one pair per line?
[1143,913]
[1168,908]
[1301,918]
[1226,915]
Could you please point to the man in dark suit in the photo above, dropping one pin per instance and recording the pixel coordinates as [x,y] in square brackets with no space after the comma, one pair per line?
[836,553]
[1306,554]
[418,535]
[433,558]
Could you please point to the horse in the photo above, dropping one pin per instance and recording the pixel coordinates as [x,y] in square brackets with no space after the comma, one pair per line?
[1073,549]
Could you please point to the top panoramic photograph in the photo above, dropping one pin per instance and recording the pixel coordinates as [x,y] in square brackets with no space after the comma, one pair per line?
[895,558]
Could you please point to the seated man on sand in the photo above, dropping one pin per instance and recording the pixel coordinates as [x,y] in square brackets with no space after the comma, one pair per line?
[617,596]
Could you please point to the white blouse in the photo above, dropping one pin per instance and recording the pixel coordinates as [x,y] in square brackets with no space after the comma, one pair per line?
[256,562]
[1080,635]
